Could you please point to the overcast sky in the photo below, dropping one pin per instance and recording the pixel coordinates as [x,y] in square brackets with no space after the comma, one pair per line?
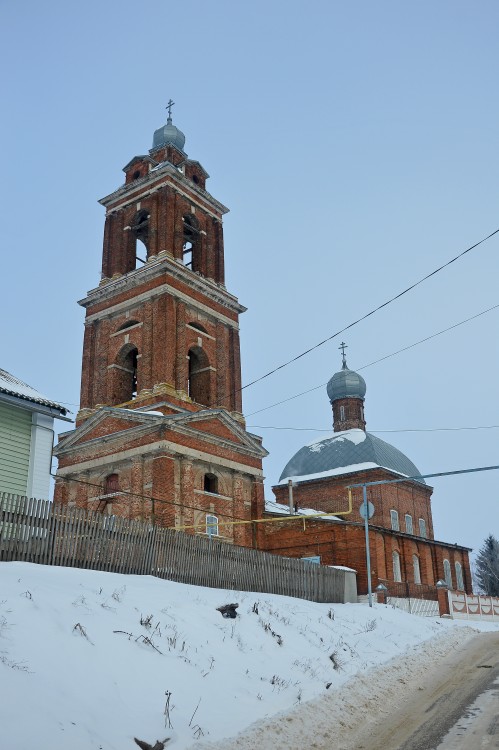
[357,146]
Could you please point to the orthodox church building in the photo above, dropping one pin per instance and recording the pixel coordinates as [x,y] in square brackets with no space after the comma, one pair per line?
[402,544]
[160,433]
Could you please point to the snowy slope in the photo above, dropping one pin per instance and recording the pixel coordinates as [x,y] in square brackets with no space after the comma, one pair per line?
[78,669]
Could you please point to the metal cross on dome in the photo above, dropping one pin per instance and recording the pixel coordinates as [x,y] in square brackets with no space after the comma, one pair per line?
[343,346]
[169,108]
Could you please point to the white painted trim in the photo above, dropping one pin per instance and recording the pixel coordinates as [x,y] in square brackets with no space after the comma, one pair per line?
[200,333]
[126,330]
[162,445]
[40,424]
[213,494]
[127,194]
[158,291]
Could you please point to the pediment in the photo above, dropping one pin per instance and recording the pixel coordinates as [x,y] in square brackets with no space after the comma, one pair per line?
[212,425]
[220,425]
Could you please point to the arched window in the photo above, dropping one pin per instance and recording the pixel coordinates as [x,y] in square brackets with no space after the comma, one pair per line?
[408,523]
[211,483]
[447,573]
[394,519]
[342,413]
[110,491]
[459,576]
[422,528]
[140,230]
[191,242]
[199,376]
[125,375]
[211,525]
[111,484]
[416,568]
[397,572]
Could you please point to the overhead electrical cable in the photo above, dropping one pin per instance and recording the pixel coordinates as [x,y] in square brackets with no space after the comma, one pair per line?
[377,432]
[381,359]
[372,312]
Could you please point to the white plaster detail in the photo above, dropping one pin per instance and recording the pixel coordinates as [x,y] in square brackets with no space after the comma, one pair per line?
[157,292]
[164,445]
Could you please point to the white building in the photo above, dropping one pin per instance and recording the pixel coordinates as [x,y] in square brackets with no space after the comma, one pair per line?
[26,437]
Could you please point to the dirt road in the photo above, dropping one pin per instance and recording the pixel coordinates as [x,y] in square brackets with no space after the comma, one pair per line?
[427,714]
[411,703]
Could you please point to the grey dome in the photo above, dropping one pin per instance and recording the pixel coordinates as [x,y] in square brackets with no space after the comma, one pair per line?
[346,383]
[350,450]
[167,134]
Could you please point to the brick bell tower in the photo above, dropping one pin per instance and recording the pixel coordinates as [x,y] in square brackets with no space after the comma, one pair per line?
[160,430]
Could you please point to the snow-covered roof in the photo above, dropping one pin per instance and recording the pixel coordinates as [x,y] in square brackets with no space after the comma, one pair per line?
[345,453]
[283,510]
[12,386]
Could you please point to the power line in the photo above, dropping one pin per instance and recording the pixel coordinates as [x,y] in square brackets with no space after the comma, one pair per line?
[372,312]
[381,359]
[236,520]
[377,432]
[151,499]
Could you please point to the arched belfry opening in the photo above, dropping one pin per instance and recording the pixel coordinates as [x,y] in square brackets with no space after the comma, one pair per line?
[125,374]
[140,232]
[191,242]
[198,386]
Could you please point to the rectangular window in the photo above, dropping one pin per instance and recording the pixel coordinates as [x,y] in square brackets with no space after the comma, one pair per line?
[408,523]
[422,528]
[397,573]
[394,517]
[212,526]
[447,574]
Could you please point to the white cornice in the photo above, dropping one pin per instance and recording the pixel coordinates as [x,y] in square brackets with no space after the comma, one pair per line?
[160,445]
[171,176]
[153,268]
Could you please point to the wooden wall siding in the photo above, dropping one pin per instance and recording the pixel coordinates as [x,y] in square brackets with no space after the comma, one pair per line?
[42,532]
[15,442]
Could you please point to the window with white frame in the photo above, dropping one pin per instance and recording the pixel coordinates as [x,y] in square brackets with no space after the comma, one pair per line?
[342,413]
[459,576]
[447,573]
[397,572]
[408,523]
[422,528]
[394,518]
[416,568]
[212,525]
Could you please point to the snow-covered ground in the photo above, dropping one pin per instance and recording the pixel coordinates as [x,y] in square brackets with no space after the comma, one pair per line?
[90,660]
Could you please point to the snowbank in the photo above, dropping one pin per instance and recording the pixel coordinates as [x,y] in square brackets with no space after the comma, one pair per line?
[90,659]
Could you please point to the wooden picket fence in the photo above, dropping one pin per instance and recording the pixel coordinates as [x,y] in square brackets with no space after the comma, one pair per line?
[39,531]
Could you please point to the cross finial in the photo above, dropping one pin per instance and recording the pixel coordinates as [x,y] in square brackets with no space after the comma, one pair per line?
[169,108]
[343,346]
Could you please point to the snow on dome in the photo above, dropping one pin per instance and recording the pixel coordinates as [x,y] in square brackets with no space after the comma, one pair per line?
[347,452]
[355,436]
